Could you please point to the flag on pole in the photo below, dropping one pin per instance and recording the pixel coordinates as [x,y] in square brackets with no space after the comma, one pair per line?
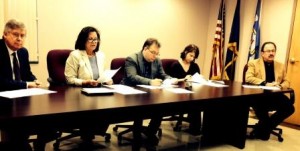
[255,37]
[218,46]
[233,45]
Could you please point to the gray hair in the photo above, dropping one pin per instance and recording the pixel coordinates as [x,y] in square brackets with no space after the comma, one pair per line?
[13,24]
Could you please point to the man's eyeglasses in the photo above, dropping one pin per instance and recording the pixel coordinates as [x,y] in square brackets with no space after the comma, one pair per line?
[154,52]
[17,35]
[93,40]
[268,51]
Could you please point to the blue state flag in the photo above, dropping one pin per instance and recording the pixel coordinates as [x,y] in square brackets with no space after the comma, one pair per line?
[255,37]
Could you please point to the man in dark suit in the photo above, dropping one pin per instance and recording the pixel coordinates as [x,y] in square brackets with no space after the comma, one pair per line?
[16,74]
[12,42]
[145,68]
[266,71]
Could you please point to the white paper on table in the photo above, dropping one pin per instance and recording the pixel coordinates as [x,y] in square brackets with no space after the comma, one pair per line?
[124,89]
[198,78]
[110,73]
[130,91]
[25,92]
[118,86]
[158,87]
[251,86]
[216,83]
[261,87]
[270,87]
[179,90]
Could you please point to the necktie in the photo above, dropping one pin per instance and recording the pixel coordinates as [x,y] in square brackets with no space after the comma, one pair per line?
[16,67]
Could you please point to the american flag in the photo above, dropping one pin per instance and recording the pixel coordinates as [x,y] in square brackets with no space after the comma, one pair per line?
[255,37]
[218,46]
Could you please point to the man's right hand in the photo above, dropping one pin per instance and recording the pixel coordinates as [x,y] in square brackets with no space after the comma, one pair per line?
[156,82]
[33,84]
[273,84]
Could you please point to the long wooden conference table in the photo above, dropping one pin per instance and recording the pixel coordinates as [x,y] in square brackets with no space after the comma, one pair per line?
[225,109]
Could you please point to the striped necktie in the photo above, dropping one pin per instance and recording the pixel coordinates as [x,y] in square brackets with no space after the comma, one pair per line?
[16,67]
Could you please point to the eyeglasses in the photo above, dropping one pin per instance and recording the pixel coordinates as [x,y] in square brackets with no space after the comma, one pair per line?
[269,51]
[154,52]
[18,35]
[93,40]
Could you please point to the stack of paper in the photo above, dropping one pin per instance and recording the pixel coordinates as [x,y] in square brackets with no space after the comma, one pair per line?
[97,91]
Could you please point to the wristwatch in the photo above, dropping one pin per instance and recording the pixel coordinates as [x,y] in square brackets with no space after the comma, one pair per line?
[263,83]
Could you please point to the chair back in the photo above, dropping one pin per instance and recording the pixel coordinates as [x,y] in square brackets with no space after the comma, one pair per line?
[115,64]
[167,63]
[244,73]
[56,61]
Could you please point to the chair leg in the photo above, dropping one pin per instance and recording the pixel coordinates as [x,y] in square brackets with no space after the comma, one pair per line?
[56,144]
[278,134]
[178,125]
[75,133]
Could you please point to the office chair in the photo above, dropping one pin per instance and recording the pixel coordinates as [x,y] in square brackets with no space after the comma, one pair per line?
[276,131]
[115,64]
[56,61]
[167,63]
[117,78]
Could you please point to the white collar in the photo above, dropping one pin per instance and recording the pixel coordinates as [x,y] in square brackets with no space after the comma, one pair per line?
[9,50]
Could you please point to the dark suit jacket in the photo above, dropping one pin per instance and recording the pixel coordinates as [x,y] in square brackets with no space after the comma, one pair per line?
[135,72]
[6,76]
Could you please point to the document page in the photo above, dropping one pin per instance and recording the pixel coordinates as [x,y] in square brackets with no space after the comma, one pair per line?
[125,90]
[110,73]
[216,83]
[179,90]
[197,78]
[25,92]
[157,87]
[261,87]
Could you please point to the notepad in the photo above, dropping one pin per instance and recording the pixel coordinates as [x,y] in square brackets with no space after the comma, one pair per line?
[97,91]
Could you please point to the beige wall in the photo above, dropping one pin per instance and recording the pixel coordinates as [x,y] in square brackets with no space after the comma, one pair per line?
[2,22]
[125,24]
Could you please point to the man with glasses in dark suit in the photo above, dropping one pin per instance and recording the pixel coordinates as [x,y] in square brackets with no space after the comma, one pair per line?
[145,68]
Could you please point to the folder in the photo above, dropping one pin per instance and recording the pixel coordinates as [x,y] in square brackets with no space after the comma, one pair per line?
[97,91]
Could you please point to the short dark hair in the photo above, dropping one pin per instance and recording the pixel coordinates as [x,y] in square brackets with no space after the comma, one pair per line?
[83,37]
[268,42]
[149,42]
[188,49]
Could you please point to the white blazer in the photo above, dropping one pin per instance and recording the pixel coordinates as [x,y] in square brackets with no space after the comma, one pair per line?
[78,67]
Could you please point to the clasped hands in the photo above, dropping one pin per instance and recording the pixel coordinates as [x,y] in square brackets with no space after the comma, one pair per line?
[95,83]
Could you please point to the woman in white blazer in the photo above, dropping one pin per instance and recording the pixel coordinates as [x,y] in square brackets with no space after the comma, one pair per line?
[85,65]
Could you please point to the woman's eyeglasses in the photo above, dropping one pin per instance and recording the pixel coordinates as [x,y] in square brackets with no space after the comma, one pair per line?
[93,40]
